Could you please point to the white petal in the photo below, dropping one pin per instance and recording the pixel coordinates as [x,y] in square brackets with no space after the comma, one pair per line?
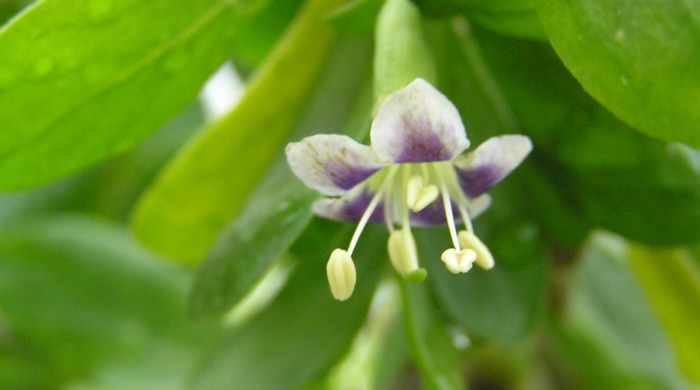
[418,124]
[491,162]
[331,164]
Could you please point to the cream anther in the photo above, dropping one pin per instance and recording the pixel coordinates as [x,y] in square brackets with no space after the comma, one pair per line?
[458,261]
[419,195]
[402,251]
[484,259]
[341,274]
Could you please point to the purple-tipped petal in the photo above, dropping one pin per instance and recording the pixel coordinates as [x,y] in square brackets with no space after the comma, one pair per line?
[418,124]
[331,164]
[491,162]
[350,207]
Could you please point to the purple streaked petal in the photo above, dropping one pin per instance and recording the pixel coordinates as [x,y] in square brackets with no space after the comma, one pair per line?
[418,124]
[350,207]
[331,164]
[491,162]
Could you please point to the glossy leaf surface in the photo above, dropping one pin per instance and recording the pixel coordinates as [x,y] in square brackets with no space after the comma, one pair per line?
[637,58]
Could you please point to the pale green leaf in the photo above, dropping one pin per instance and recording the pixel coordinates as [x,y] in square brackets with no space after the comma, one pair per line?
[207,183]
[81,81]
[671,284]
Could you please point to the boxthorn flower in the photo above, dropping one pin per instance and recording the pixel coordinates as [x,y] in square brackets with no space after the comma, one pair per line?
[414,174]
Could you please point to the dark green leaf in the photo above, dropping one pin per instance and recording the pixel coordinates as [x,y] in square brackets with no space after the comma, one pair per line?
[212,177]
[607,173]
[247,248]
[98,76]
[304,331]
[498,304]
[629,183]
[638,58]
[356,17]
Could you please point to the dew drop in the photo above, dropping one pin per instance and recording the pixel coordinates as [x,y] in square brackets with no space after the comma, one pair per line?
[620,35]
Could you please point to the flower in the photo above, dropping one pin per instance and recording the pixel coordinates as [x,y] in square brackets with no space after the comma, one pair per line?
[414,174]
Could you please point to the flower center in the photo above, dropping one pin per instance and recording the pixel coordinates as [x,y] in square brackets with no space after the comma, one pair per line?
[429,191]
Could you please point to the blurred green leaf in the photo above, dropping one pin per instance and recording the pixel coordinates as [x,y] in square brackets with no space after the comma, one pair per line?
[247,248]
[510,17]
[499,304]
[9,8]
[671,284]
[638,58]
[521,22]
[93,191]
[608,336]
[593,160]
[304,331]
[207,183]
[280,207]
[98,76]
[629,183]
[356,17]
[259,33]
[431,346]
[78,295]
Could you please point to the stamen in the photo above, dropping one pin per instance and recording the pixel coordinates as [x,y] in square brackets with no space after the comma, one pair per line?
[402,252]
[341,274]
[413,188]
[465,217]
[388,206]
[370,209]
[449,217]
[419,195]
[458,261]
[484,259]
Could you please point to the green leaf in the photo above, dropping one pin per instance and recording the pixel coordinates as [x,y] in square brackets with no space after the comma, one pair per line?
[594,160]
[431,346]
[356,17]
[629,183]
[100,75]
[247,248]
[261,32]
[608,336]
[78,295]
[280,207]
[207,183]
[501,303]
[521,22]
[304,331]
[638,58]
[671,284]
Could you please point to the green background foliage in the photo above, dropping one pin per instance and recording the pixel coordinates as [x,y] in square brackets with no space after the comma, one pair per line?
[145,245]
